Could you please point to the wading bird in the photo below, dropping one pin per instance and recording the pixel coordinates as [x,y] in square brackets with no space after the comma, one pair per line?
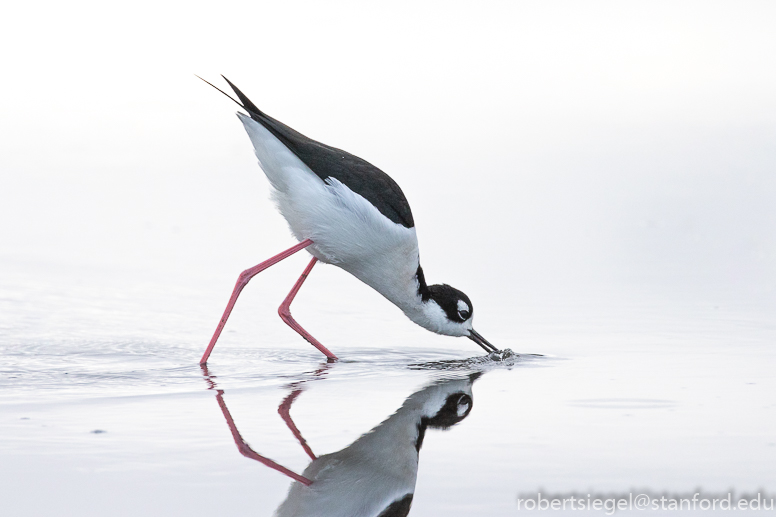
[346,212]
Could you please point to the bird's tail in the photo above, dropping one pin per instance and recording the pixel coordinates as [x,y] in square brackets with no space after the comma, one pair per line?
[244,102]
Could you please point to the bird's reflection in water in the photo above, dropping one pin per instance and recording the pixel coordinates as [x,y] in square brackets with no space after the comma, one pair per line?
[375,475]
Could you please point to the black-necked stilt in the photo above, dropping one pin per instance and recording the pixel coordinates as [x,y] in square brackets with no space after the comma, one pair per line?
[346,212]
[375,475]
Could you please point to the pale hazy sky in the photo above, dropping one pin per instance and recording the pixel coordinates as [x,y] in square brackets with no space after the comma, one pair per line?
[539,143]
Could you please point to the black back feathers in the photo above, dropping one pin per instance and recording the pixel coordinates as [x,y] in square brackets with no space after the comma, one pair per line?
[358,175]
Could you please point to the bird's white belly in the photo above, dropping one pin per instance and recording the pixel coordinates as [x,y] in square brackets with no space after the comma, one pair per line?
[361,480]
[346,229]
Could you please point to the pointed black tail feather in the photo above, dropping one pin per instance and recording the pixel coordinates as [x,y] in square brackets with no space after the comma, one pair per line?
[246,102]
[222,91]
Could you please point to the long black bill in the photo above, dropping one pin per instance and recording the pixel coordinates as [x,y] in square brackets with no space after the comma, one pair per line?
[477,338]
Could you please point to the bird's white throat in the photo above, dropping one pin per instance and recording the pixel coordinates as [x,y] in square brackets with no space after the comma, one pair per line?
[429,315]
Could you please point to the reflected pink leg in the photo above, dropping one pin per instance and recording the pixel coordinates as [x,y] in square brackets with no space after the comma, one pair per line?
[285,313]
[284,410]
[246,450]
[242,280]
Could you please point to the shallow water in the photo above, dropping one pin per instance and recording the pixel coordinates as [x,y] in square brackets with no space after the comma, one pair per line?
[652,398]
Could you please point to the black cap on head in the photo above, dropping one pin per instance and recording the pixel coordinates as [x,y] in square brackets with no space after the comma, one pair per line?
[456,304]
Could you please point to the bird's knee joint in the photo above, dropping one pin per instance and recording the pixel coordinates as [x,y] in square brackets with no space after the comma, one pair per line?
[284,312]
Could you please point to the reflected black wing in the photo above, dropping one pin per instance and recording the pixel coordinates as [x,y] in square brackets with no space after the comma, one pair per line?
[399,508]
[358,175]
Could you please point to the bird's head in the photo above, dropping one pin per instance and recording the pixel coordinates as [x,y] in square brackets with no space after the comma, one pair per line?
[442,405]
[444,413]
[448,311]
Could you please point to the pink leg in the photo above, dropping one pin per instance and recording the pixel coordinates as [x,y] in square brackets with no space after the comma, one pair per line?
[242,280]
[285,313]
[284,410]
[246,450]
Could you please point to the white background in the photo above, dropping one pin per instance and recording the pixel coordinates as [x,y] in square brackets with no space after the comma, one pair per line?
[597,176]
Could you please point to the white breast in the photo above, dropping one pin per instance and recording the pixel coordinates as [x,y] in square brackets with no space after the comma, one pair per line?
[346,229]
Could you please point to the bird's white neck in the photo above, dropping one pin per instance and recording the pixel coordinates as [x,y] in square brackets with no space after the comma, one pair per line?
[403,284]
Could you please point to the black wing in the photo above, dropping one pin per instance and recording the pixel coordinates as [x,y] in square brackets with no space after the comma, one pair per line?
[358,175]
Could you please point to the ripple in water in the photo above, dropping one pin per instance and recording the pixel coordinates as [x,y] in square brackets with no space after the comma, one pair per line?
[503,359]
